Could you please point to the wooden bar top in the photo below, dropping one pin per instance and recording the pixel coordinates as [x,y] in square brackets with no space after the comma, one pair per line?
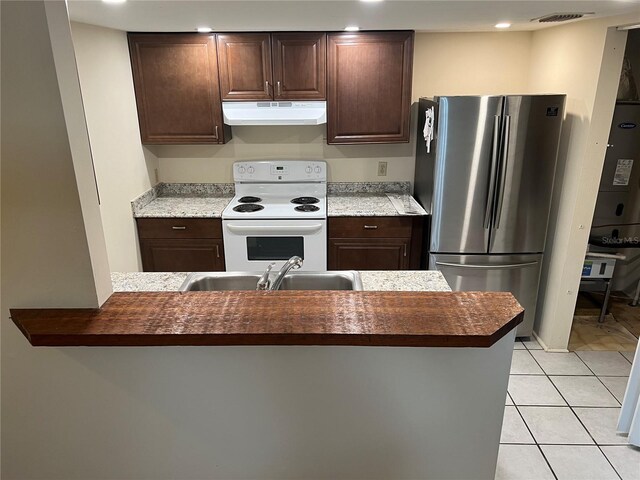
[403,319]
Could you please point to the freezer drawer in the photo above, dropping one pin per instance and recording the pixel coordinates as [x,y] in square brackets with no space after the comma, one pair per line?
[518,274]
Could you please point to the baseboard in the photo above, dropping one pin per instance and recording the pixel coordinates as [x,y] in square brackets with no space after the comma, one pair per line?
[545,347]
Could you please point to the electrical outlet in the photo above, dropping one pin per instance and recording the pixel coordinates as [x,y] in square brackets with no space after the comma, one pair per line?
[382,169]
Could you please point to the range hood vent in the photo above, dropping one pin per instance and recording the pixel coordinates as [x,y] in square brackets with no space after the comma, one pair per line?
[561,17]
[274,113]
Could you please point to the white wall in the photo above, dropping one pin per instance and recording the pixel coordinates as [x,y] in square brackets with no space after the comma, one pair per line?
[124,168]
[581,59]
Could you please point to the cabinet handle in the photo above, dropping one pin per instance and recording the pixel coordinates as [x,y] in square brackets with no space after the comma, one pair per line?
[279,87]
[370,227]
[216,131]
[405,249]
[179,228]
[217,251]
[266,86]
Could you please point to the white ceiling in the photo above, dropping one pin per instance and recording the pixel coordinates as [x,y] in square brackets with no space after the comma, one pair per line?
[267,15]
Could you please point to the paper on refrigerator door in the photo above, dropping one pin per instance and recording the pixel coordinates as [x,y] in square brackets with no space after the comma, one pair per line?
[428,127]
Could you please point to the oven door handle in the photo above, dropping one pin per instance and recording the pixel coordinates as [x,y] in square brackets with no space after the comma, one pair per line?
[261,229]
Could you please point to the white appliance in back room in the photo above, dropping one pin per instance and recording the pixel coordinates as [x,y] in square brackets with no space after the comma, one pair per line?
[279,210]
[487,176]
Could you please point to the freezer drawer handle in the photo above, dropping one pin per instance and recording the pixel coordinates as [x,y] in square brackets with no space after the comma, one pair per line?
[512,265]
[273,229]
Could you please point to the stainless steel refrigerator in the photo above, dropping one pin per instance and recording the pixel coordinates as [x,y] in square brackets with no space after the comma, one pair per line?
[488,181]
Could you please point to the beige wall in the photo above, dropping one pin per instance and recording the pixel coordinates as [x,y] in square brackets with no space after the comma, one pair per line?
[471,63]
[345,163]
[582,59]
[124,168]
[45,240]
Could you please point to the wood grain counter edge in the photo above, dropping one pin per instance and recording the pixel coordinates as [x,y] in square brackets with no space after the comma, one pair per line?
[395,319]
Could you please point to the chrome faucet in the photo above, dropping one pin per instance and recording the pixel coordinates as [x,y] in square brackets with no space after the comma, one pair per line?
[264,283]
[294,262]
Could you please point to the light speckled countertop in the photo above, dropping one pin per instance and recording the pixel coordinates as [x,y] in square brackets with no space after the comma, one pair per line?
[184,207]
[209,200]
[363,205]
[338,205]
[400,280]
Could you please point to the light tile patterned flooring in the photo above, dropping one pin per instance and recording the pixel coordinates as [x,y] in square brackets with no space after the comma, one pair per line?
[561,416]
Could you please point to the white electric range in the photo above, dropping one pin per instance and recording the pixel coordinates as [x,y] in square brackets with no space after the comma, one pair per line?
[279,210]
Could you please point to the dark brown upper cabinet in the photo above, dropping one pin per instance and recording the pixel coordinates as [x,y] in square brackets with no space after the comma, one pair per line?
[279,66]
[245,66]
[175,78]
[299,66]
[369,87]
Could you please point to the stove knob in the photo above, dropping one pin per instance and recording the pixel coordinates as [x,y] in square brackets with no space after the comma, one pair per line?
[308,169]
[250,170]
[318,169]
[241,169]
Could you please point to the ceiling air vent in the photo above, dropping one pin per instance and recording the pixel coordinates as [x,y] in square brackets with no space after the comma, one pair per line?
[560,17]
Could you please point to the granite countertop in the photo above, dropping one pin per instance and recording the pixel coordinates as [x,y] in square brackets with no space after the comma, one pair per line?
[365,205]
[401,280]
[184,207]
[196,200]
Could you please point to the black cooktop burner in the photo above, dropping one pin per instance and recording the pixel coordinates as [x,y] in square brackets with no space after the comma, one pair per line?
[306,208]
[305,201]
[248,208]
[249,200]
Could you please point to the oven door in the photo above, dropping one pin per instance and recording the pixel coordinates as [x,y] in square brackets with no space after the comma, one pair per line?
[251,245]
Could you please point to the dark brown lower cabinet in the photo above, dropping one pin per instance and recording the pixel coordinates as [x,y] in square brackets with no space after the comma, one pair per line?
[368,253]
[181,245]
[374,243]
[188,255]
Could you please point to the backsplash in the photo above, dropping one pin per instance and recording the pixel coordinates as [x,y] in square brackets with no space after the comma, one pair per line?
[368,187]
[228,190]
[195,189]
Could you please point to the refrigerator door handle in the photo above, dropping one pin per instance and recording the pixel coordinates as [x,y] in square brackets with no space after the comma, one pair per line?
[492,173]
[512,265]
[503,167]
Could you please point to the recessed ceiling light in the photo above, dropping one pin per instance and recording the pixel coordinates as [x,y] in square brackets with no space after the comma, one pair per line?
[503,25]
[352,28]
[204,29]
[371,1]
[114,1]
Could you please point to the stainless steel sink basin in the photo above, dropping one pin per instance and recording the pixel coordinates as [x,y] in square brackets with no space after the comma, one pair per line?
[216,281]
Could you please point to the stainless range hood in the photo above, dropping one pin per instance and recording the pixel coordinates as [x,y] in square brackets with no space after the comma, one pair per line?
[274,113]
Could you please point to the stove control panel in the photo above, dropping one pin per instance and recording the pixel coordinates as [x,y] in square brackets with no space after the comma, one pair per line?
[267,171]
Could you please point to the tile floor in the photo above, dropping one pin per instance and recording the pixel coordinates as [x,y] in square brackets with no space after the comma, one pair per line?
[561,416]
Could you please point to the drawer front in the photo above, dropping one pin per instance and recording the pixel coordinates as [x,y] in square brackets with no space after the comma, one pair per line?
[370,227]
[369,253]
[182,255]
[179,228]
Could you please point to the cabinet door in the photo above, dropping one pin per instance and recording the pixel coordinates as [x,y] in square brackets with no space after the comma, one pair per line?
[299,66]
[369,253]
[175,78]
[369,87]
[182,255]
[245,66]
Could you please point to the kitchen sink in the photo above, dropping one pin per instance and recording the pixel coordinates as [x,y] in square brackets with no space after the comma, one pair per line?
[217,281]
